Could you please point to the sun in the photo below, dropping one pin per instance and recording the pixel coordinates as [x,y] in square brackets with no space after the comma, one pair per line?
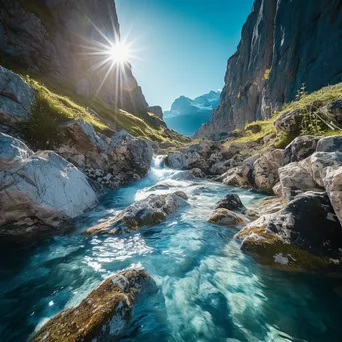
[119,53]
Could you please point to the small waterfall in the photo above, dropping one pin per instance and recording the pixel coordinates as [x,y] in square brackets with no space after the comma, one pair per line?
[158,162]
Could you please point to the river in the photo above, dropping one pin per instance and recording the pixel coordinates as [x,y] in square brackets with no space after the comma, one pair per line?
[207,288]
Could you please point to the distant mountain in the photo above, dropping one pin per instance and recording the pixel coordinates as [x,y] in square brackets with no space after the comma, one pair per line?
[187,115]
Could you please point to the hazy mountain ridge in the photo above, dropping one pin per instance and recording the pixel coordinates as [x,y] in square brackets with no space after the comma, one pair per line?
[187,115]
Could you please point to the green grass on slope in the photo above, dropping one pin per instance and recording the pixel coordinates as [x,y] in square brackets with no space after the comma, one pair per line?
[54,105]
[321,97]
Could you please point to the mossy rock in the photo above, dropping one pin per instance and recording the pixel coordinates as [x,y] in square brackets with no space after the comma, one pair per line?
[102,316]
[225,217]
[268,249]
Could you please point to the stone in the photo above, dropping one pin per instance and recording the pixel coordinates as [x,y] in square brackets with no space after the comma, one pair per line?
[225,217]
[289,122]
[103,315]
[296,232]
[230,202]
[16,97]
[110,161]
[13,152]
[254,128]
[233,177]
[296,178]
[265,207]
[39,193]
[147,212]
[300,148]
[265,170]
[326,170]
[333,110]
[330,144]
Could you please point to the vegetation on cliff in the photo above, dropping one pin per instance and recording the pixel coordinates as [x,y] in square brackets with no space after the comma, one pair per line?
[310,123]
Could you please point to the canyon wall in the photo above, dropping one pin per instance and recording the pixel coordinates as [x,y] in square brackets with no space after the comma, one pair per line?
[284,43]
[64,39]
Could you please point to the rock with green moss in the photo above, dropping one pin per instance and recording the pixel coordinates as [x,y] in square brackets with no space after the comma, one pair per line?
[103,315]
[306,233]
[147,212]
[225,217]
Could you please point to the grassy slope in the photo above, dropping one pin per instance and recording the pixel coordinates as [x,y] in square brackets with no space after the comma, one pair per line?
[323,96]
[57,103]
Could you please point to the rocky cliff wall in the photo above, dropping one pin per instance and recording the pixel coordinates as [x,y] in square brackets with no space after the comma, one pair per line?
[63,38]
[284,43]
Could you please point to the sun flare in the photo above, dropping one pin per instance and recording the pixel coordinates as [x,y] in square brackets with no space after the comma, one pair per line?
[119,53]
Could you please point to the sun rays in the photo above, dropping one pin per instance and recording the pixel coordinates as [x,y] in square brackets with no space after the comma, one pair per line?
[110,59]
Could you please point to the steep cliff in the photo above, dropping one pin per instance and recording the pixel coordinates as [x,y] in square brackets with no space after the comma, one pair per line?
[64,39]
[284,43]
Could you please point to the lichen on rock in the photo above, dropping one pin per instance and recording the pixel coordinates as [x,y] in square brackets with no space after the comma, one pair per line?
[102,316]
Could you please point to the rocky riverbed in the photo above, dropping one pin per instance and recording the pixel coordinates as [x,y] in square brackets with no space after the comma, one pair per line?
[205,286]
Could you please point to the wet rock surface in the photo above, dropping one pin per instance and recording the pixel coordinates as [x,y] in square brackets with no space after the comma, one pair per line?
[39,192]
[150,211]
[103,315]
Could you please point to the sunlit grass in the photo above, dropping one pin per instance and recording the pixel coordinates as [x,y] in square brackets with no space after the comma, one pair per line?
[321,97]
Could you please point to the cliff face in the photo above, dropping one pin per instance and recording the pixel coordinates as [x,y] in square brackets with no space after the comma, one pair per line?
[284,43]
[62,38]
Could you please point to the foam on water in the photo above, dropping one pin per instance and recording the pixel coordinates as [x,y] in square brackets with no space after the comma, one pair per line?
[207,288]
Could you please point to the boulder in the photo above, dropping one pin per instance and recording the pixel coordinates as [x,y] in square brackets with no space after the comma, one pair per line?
[230,202]
[326,170]
[265,207]
[254,128]
[233,177]
[300,148]
[225,217]
[109,161]
[296,178]
[185,161]
[16,97]
[295,236]
[265,170]
[147,212]
[330,144]
[103,315]
[333,110]
[289,122]
[13,152]
[39,192]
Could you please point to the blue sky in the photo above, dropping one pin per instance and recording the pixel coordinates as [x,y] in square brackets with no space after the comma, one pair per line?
[182,46]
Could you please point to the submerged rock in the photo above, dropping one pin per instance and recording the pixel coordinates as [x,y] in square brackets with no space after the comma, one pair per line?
[102,316]
[230,202]
[296,232]
[147,212]
[225,217]
[39,192]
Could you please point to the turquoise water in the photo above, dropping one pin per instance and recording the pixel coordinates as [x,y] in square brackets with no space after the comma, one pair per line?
[208,290]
